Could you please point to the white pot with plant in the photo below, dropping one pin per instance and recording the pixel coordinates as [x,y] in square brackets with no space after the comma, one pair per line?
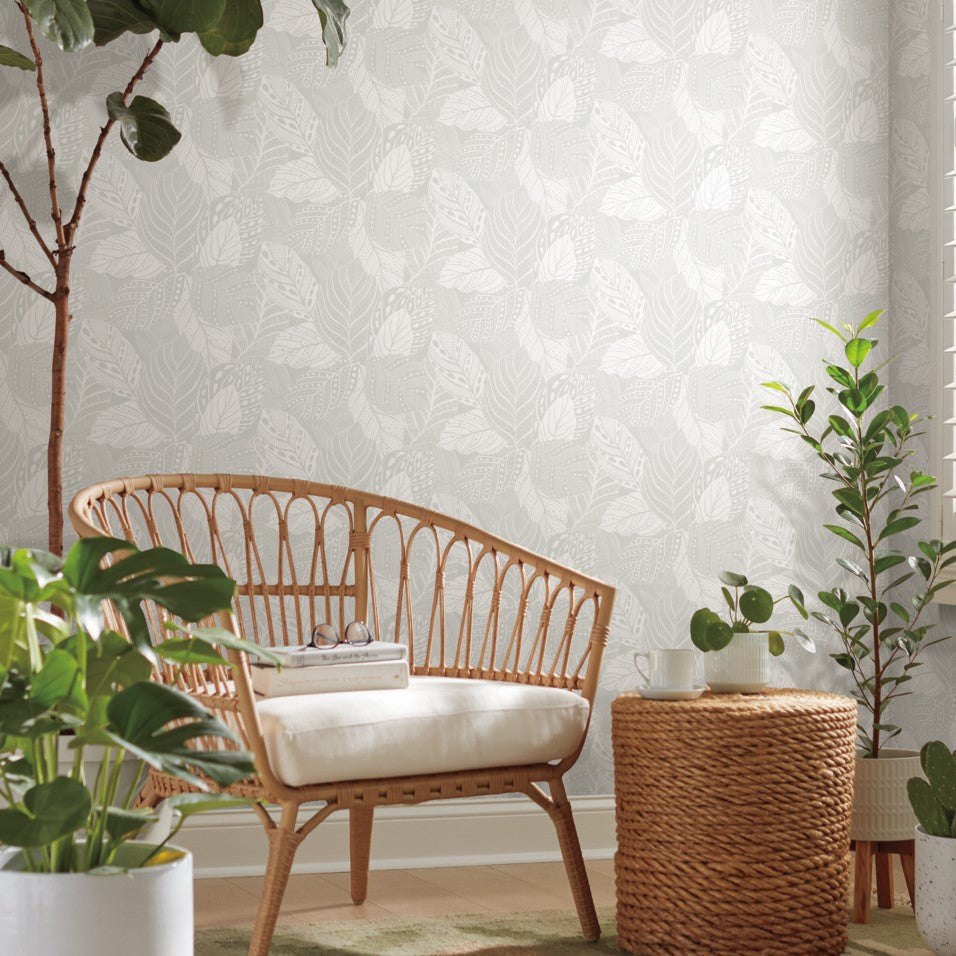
[864,444]
[72,878]
[934,803]
[736,654]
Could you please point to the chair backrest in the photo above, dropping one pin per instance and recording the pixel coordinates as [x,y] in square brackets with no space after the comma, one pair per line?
[465,602]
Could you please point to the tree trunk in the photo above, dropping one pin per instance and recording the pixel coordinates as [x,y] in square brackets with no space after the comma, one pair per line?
[54,453]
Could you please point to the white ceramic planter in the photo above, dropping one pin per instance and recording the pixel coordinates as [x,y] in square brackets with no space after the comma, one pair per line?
[147,911]
[742,667]
[936,891]
[881,807]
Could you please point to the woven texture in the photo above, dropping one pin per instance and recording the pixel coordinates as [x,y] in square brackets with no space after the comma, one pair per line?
[466,604]
[733,823]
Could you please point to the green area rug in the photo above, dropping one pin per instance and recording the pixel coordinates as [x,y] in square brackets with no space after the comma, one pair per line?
[890,933]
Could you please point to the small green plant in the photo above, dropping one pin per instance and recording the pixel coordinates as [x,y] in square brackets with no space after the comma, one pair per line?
[863,445]
[934,799]
[65,675]
[746,606]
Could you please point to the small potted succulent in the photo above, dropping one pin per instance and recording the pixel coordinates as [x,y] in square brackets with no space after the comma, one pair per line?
[934,803]
[864,444]
[737,655]
[73,879]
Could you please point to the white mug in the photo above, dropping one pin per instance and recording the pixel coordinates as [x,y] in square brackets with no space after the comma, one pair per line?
[669,668]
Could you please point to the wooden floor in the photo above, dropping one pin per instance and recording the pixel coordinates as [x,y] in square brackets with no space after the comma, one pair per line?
[431,892]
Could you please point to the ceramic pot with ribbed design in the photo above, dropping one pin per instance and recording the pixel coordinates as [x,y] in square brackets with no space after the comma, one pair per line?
[742,667]
[881,807]
[936,891]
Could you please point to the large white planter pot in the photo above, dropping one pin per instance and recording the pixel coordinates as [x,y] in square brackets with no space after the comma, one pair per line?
[146,911]
[936,891]
[742,667]
[881,807]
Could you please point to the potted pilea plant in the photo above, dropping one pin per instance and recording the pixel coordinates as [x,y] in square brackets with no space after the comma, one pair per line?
[72,877]
[737,655]
[934,803]
[864,443]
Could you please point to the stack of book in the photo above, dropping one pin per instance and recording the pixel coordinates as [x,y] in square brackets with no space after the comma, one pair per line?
[310,670]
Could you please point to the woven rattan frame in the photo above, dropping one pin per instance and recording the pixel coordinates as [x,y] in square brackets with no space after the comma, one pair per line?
[467,604]
[733,823]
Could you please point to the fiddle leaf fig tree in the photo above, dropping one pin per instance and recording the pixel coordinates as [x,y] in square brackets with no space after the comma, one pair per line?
[146,130]
[864,443]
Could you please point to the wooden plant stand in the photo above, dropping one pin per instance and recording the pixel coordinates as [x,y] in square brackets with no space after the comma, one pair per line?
[866,852]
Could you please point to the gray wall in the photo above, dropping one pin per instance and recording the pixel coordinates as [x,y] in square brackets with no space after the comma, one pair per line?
[524,262]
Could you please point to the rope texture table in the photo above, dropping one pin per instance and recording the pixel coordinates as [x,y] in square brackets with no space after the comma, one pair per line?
[733,823]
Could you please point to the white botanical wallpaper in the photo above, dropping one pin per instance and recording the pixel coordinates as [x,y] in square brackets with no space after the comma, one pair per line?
[524,261]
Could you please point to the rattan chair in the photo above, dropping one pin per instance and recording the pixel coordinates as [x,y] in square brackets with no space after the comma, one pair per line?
[467,604]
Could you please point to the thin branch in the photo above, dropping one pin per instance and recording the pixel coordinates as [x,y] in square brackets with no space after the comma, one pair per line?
[74,222]
[47,133]
[31,222]
[23,277]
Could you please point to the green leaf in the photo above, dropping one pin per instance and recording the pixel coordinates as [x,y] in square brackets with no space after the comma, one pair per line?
[842,532]
[777,647]
[9,57]
[732,580]
[189,804]
[113,18]
[220,637]
[850,499]
[870,320]
[698,627]
[806,412]
[332,16]
[829,327]
[804,640]
[844,660]
[900,524]
[776,386]
[188,651]
[59,682]
[52,811]
[929,811]
[176,17]
[146,128]
[236,29]
[939,765]
[66,22]
[121,822]
[139,717]
[857,350]
[887,561]
[840,425]
[719,635]
[798,600]
[756,605]
[852,568]
[840,375]
[853,400]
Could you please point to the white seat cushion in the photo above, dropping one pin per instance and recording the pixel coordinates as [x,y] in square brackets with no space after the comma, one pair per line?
[434,725]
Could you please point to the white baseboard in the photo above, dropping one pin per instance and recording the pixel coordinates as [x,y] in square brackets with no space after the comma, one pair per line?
[443,833]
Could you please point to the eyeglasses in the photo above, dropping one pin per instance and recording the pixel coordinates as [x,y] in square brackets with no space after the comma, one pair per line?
[325,636]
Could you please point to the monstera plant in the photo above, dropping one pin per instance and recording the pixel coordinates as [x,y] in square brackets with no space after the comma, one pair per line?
[223,28]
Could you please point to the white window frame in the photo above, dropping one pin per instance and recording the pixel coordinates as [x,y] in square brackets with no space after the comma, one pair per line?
[942,338]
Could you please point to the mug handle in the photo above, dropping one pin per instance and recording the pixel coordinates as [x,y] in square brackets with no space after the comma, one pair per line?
[643,674]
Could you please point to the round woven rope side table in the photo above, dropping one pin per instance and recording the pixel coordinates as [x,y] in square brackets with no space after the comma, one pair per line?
[733,823]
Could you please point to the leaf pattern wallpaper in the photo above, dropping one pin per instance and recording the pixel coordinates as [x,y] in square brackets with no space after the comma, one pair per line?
[522,261]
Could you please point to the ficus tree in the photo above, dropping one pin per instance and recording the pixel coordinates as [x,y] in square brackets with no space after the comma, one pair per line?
[864,444]
[223,28]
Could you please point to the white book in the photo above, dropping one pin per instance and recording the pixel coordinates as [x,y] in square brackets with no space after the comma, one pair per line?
[363,675]
[301,655]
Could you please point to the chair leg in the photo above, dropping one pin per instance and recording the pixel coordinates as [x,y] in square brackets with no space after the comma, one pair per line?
[360,842]
[884,880]
[283,842]
[908,863]
[862,881]
[574,861]
[149,796]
